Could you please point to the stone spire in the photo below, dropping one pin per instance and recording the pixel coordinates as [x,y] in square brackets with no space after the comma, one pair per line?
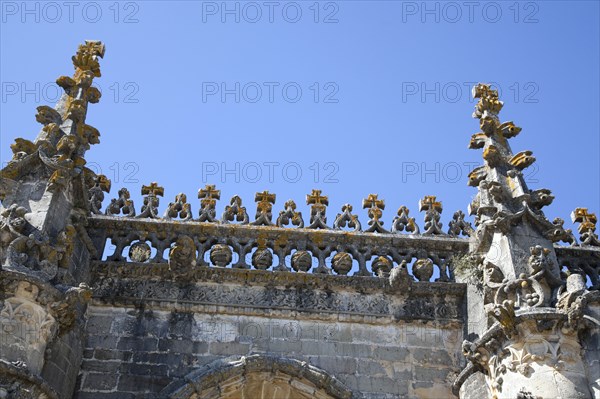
[508,215]
[513,250]
[57,154]
[47,194]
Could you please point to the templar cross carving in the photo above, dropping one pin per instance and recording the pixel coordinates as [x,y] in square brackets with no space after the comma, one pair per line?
[318,208]
[587,226]
[432,209]
[208,199]
[375,207]
[264,206]
[153,190]
[429,202]
[151,201]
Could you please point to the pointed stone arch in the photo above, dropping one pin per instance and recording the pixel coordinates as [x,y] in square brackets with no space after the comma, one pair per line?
[258,377]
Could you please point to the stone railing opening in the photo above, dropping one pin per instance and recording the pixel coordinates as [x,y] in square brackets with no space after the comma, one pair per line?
[318,251]
[284,243]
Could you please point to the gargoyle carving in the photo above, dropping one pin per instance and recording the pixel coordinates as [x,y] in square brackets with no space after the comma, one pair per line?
[66,310]
[540,198]
[477,175]
[399,278]
[522,160]
[509,130]
[559,233]
[477,141]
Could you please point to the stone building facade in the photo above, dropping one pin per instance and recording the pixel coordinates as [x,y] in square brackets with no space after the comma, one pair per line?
[215,304]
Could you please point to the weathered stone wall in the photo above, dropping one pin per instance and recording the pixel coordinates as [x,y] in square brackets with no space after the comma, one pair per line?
[131,352]
[63,358]
[591,351]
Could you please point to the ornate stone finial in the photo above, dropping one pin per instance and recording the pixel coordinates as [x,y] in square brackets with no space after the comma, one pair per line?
[459,225]
[179,208]
[123,203]
[433,209]
[289,214]
[587,226]
[319,204]
[264,207]
[375,212]
[66,137]
[151,201]
[346,218]
[403,222]
[488,101]
[208,200]
[100,185]
[86,58]
[235,211]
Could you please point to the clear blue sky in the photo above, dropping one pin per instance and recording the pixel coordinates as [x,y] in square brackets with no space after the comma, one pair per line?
[392,101]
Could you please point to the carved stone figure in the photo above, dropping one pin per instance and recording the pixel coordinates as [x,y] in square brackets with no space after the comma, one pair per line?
[182,256]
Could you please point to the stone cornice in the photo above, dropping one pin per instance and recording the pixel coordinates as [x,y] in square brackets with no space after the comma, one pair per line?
[241,291]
